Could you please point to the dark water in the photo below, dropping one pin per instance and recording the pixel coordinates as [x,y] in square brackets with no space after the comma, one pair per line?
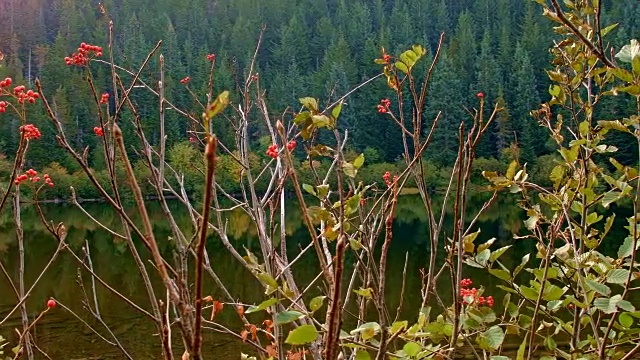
[63,336]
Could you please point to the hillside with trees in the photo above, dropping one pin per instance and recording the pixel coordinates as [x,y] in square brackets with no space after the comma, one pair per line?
[318,47]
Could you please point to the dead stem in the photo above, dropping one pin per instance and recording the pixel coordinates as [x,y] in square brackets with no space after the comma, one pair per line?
[149,237]
[210,159]
[380,296]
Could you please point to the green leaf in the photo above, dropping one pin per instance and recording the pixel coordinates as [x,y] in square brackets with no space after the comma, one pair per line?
[615,125]
[629,52]
[555,90]
[398,326]
[309,188]
[316,303]
[322,121]
[367,330]
[529,293]
[218,106]
[532,221]
[507,289]
[554,305]
[286,317]
[310,103]
[553,292]
[525,260]
[496,254]
[626,320]
[359,161]
[511,171]
[268,280]
[622,74]
[521,349]
[335,112]
[593,218]
[364,292]
[401,66]
[351,206]
[262,306]
[323,190]
[610,197]
[362,355]
[608,29]
[635,65]
[605,305]
[570,155]
[549,343]
[626,305]
[467,241]
[557,174]
[355,244]
[499,357]
[491,339]
[602,289]
[318,214]
[349,169]
[500,274]
[618,276]
[412,349]
[302,117]
[626,249]
[302,335]
[483,257]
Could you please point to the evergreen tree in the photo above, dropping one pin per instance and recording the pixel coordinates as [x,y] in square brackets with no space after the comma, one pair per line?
[525,98]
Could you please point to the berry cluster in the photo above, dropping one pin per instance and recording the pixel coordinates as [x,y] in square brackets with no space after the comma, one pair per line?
[85,51]
[192,139]
[32,176]
[47,180]
[29,132]
[387,178]
[272,151]
[104,99]
[98,131]
[386,58]
[3,106]
[185,81]
[23,95]
[384,105]
[5,83]
[211,57]
[470,296]
[291,145]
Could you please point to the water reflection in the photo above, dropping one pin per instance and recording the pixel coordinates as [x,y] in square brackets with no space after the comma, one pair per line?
[63,336]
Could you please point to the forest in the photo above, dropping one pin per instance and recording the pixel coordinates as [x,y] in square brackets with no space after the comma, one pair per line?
[322,48]
[279,136]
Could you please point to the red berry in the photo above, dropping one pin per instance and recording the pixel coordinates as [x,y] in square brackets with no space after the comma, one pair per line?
[480,95]
[51,303]
[291,145]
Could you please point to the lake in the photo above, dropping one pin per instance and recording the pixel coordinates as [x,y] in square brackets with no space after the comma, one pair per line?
[63,336]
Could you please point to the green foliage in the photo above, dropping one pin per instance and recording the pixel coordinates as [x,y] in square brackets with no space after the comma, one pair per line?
[311,48]
[577,199]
